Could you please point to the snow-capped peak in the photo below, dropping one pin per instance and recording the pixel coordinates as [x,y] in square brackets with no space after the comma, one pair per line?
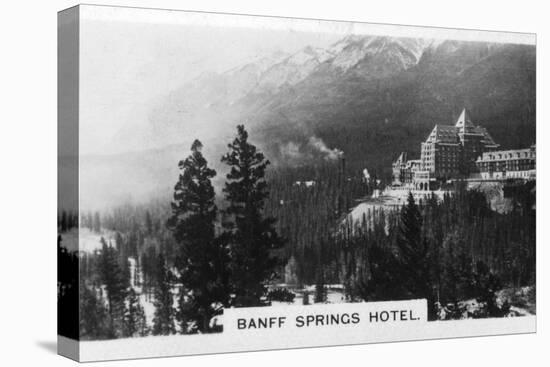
[294,68]
[308,54]
[352,49]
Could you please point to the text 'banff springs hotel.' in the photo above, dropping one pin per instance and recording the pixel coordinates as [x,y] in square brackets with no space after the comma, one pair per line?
[462,151]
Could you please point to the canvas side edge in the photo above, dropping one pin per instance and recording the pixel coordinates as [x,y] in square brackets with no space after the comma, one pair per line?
[68,163]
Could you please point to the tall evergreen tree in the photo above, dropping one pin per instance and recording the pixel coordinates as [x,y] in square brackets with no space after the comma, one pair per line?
[134,317]
[163,321]
[94,318]
[320,288]
[384,279]
[413,254]
[485,285]
[149,260]
[112,276]
[201,259]
[252,235]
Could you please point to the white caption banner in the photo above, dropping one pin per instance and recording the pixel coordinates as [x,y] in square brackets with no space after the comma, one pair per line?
[324,317]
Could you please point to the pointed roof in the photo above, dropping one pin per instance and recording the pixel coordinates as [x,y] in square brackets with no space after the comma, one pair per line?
[487,138]
[464,120]
[443,134]
[402,158]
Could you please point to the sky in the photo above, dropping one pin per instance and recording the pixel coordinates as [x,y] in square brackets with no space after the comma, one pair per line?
[128,66]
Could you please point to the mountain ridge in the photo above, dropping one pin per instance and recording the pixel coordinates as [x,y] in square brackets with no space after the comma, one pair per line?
[386,100]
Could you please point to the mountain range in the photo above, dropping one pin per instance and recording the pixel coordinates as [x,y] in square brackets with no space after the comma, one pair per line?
[364,97]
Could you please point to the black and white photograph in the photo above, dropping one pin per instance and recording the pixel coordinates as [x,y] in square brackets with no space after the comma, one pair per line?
[212,163]
[228,161]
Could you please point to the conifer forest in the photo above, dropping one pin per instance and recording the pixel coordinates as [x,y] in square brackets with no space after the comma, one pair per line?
[279,234]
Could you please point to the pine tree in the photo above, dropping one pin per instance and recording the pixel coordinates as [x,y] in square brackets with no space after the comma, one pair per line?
[149,260]
[137,272]
[486,284]
[94,317]
[119,242]
[163,321]
[320,288]
[112,276]
[456,276]
[134,317]
[410,239]
[413,254]
[384,280]
[186,313]
[305,298]
[252,235]
[202,259]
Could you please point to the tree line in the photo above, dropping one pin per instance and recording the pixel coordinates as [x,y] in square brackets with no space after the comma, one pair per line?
[194,256]
[215,258]
[309,202]
[446,251]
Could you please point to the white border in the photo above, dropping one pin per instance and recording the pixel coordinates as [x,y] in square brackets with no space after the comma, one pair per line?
[170,346]
[194,18]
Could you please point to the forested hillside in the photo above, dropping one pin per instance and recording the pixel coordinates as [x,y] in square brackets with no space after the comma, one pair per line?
[209,217]
[169,267]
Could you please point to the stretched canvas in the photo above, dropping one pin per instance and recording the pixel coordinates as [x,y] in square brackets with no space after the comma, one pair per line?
[236,183]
